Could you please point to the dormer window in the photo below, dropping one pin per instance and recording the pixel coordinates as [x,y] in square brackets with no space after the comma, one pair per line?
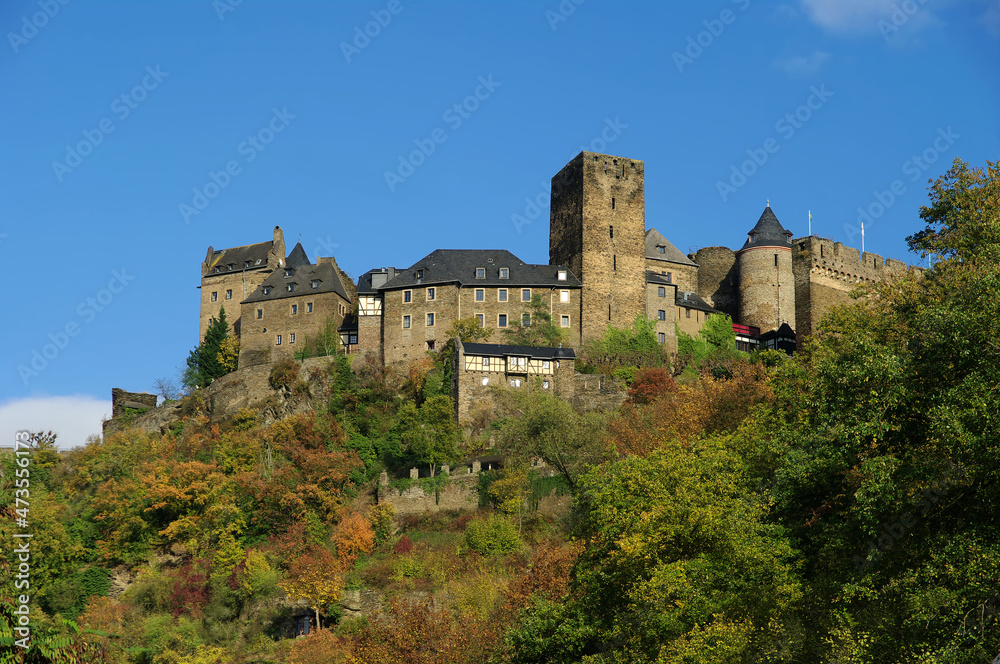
[420,274]
[660,249]
[267,290]
[289,272]
[315,283]
[561,275]
[505,273]
[258,262]
[232,266]
[290,287]
[480,273]
[246,264]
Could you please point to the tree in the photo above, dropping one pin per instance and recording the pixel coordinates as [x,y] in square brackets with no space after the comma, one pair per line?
[469,330]
[316,577]
[166,388]
[627,348]
[204,364]
[963,219]
[540,330]
[430,432]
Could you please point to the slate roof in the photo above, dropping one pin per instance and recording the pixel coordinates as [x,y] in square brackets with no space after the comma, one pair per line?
[657,278]
[369,282]
[534,352]
[302,277]
[768,232]
[690,300]
[785,330]
[670,253]
[238,256]
[297,258]
[459,265]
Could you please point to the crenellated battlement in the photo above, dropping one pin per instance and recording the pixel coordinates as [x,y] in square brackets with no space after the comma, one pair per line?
[837,261]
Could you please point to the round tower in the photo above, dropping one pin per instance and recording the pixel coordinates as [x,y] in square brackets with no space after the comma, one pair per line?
[717,278]
[766,280]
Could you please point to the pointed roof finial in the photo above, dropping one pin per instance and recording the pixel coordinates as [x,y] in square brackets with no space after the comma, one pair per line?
[768,202]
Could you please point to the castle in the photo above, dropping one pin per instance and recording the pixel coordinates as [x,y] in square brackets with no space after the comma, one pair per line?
[605,269]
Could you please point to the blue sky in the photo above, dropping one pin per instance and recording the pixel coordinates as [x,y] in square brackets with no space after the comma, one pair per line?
[439,128]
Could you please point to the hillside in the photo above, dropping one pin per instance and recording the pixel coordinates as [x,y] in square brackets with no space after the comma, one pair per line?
[839,505]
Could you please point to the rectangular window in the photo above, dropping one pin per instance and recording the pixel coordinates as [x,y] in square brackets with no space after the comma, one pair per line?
[564,296]
[661,337]
[502,295]
[661,314]
[611,232]
[515,382]
[295,309]
[406,322]
[290,287]
[267,290]
[315,283]
[545,384]
[687,313]
[309,307]
[660,248]
[215,296]
[525,295]
[430,320]
[430,293]
[670,277]
[502,320]
[526,320]
[407,296]
[564,321]
[505,273]
[291,338]
[561,275]
[486,363]
[480,294]
[430,344]
[661,291]
[420,274]
[260,314]
[776,260]
[352,339]
[546,364]
[279,341]
[482,320]
[229,293]
[480,273]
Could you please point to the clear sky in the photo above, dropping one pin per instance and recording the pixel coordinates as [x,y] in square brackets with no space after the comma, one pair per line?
[439,128]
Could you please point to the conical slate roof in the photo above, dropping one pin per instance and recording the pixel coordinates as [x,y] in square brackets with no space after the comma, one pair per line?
[298,257]
[768,232]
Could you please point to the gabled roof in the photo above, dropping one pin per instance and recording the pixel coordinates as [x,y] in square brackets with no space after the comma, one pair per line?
[444,266]
[768,232]
[297,258]
[534,352]
[672,254]
[690,300]
[238,257]
[302,277]
[372,280]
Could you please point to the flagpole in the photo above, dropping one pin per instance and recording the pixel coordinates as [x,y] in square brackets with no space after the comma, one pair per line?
[862,237]
[810,222]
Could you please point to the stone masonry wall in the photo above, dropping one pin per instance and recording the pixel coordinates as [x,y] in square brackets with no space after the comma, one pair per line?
[598,227]
[767,288]
[717,279]
[460,493]
[260,334]
[120,400]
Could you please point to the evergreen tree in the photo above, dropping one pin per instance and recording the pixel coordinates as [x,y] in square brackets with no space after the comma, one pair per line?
[203,363]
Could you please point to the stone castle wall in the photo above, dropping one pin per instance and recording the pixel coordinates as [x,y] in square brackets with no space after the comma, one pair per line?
[766,288]
[598,228]
[718,277]
[264,321]
[825,274]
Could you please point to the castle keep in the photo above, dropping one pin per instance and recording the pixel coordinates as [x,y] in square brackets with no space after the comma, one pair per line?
[605,269]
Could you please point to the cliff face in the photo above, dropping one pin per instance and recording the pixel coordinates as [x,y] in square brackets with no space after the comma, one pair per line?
[225,397]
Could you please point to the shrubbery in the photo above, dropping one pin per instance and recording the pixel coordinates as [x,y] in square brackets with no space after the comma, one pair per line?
[491,536]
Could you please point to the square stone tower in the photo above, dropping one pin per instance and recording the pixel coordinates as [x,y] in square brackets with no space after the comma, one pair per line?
[597,227]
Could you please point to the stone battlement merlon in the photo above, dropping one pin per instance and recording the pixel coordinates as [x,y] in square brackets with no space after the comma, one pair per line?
[835,255]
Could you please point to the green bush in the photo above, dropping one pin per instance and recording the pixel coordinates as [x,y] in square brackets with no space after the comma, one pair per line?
[283,373]
[491,536]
